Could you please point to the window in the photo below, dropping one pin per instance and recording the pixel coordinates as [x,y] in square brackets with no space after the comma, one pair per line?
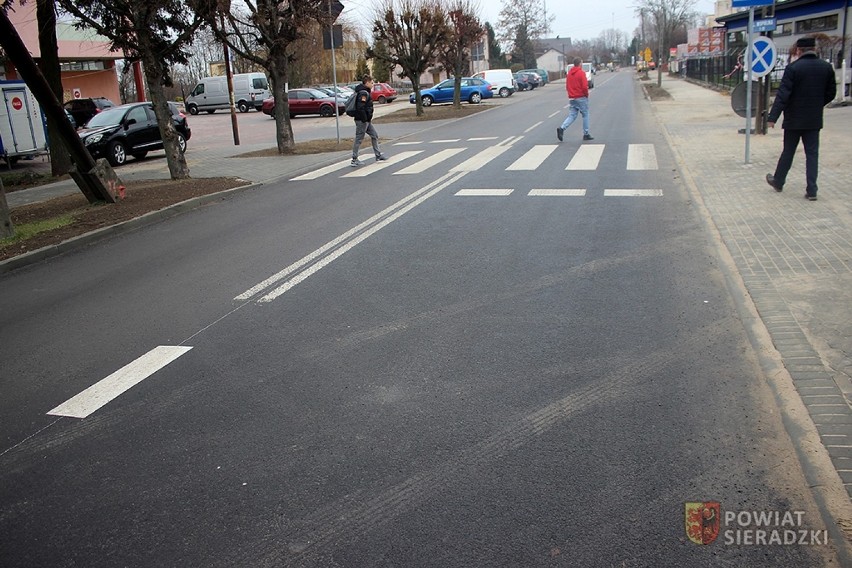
[199,89]
[138,114]
[817,24]
[259,83]
[783,29]
[82,66]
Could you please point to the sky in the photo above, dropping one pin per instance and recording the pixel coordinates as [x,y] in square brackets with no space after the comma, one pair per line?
[574,18]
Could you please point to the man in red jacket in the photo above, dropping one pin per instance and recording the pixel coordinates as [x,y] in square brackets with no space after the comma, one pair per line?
[578,99]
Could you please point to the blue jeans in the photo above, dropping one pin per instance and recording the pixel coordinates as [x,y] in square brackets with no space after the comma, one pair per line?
[581,106]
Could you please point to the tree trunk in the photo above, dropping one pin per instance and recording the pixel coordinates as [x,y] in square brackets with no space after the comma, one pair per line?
[7,229]
[457,89]
[60,158]
[154,73]
[415,84]
[283,128]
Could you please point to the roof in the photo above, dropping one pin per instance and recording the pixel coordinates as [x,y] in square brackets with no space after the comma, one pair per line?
[788,9]
[561,45]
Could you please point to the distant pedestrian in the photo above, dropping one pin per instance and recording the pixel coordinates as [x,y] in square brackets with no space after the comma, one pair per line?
[577,86]
[808,84]
[364,121]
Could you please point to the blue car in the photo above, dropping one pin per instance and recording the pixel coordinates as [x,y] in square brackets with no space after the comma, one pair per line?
[473,90]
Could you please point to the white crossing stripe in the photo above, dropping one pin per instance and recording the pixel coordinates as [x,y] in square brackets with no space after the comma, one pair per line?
[557,193]
[533,158]
[481,159]
[482,139]
[449,141]
[370,168]
[427,163]
[554,114]
[105,390]
[408,143]
[587,157]
[484,192]
[322,171]
[633,193]
[532,127]
[641,157]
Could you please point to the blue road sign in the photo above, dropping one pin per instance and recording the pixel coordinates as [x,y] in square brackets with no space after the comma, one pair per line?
[765,25]
[763,56]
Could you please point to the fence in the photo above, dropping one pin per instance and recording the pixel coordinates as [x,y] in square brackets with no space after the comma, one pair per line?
[726,70]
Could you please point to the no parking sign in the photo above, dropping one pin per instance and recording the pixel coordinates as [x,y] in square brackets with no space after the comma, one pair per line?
[763,57]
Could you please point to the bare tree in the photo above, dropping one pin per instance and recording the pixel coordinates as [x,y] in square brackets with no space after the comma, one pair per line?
[464,29]
[666,16]
[526,17]
[413,31]
[157,32]
[265,32]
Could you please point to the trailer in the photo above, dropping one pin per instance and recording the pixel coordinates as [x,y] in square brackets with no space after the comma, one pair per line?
[23,131]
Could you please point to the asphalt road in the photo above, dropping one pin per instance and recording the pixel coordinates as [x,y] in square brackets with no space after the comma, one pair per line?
[394,367]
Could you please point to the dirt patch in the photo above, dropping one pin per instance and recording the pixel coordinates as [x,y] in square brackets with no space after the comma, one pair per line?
[434,112]
[142,197]
[656,93]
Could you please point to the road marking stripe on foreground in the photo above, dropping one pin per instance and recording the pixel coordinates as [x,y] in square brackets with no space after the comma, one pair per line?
[281,274]
[481,159]
[482,139]
[408,143]
[109,388]
[322,171]
[587,157]
[533,158]
[483,192]
[448,141]
[325,261]
[427,163]
[537,124]
[641,157]
[633,193]
[369,168]
[557,192]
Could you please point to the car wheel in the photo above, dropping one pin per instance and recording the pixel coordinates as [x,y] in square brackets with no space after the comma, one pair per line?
[382,100]
[427,101]
[242,106]
[326,110]
[140,155]
[211,111]
[192,109]
[475,98]
[181,140]
[504,92]
[591,84]
[117,154]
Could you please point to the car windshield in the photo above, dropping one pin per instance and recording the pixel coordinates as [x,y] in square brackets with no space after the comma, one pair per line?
[445,84]
[108,117]
[316,93]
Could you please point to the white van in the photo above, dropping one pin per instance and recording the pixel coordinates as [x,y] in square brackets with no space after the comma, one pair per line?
[502,81]
[211,93]
[589,70]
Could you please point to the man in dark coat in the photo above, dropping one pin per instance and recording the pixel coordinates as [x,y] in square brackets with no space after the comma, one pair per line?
[364,121]
[808,84]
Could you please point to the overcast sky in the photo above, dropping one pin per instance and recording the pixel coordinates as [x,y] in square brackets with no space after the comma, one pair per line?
[575,19]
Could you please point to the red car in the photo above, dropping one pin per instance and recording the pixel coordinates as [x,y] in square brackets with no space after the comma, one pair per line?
[383,93]
[307,101]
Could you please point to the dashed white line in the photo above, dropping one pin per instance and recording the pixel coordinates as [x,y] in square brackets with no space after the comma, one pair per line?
[557,193]
[536,125]
[633,193]
[484,192]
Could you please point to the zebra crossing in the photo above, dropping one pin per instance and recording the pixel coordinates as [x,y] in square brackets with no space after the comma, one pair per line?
[420,158]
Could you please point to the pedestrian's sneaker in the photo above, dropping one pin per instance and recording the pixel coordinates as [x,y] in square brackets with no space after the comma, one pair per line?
[559,132]
[810,197]
[356,163]
[381,158]
[770,179]
[587,137]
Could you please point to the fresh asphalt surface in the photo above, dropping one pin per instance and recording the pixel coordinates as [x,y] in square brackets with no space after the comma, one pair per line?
[464,381]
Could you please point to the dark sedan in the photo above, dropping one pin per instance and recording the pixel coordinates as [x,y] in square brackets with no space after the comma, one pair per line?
[130,129]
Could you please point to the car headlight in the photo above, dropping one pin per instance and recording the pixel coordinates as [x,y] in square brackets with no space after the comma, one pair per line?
[94,138]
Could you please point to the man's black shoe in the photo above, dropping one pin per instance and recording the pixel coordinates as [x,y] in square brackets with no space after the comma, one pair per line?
[770,179]
[587,137]
[559,132]
[810,197]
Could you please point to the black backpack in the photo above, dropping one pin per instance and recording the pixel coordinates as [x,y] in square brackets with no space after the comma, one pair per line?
[350,104]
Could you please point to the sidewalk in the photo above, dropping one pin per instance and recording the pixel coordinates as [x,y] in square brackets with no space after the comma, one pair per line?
[794,256]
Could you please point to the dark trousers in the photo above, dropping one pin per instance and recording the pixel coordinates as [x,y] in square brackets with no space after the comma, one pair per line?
[810,140]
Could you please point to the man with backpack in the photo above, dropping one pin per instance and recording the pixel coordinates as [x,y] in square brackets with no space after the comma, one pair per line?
[363,114]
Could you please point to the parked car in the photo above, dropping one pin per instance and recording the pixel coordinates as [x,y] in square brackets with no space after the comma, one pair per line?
[70,118]
[473,90]
[383,93]
[130,129]
[308,101]
[342,90]
[502,81]
[211,93]
[542,73]
[527,81]
[84,109]
[589,69]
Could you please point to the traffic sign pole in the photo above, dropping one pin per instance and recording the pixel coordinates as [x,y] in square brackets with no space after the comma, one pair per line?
[749,65]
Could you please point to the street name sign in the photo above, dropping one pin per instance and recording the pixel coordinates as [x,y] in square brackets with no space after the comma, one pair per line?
[765,25]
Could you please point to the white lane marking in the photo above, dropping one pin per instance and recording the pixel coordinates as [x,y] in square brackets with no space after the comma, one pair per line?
[587,157]
[554,114]
[482,139]
[316,267]
[633,193]
[322,171]
[481,159]
[641,157]
[105,390]
[427,163]
[533,158]
[408,143]
[510,140]
[557,193]
[449,141]
[371,168]
[483,192]
[280,275]
[536,125]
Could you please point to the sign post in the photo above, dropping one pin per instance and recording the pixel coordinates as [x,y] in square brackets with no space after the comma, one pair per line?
[334,9]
